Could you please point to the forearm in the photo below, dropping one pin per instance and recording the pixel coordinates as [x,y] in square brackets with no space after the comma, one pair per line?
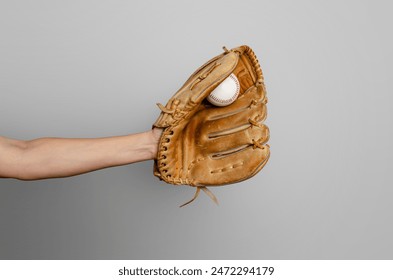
[59,157]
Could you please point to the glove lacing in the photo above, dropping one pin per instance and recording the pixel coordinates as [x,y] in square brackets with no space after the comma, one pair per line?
[257,143]
[177,113]
[206,191]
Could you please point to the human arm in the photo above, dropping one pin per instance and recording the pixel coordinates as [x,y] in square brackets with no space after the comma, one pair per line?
[62,157]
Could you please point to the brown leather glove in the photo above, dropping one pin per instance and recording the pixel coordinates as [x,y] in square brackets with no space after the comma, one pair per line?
[204,145]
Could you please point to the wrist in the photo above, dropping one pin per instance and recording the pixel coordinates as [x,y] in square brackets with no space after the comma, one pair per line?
[155,135]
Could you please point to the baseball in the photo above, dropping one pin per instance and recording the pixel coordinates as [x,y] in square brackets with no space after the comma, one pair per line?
[226,92]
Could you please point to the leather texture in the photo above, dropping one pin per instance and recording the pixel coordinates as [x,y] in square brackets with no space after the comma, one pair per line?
[205,145]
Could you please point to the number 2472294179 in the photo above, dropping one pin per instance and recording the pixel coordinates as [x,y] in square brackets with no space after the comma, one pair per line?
[242,270]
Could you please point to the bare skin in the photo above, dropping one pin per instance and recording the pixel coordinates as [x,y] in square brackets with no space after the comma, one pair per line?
[63,157]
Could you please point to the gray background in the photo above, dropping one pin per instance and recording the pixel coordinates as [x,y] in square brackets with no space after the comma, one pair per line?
[97,68]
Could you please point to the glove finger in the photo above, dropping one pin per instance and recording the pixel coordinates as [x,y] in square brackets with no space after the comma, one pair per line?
[231,143]
[236,122]
[253,95]
[231,168]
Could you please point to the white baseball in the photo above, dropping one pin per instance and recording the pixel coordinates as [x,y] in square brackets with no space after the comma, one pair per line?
[226,92]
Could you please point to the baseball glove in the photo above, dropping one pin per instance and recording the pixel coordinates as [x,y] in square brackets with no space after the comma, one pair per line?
[205,145]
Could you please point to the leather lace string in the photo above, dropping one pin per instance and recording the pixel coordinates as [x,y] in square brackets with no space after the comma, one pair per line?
[206,191]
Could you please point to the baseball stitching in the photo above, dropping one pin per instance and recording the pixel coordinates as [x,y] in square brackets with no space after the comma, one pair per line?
[226,101]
